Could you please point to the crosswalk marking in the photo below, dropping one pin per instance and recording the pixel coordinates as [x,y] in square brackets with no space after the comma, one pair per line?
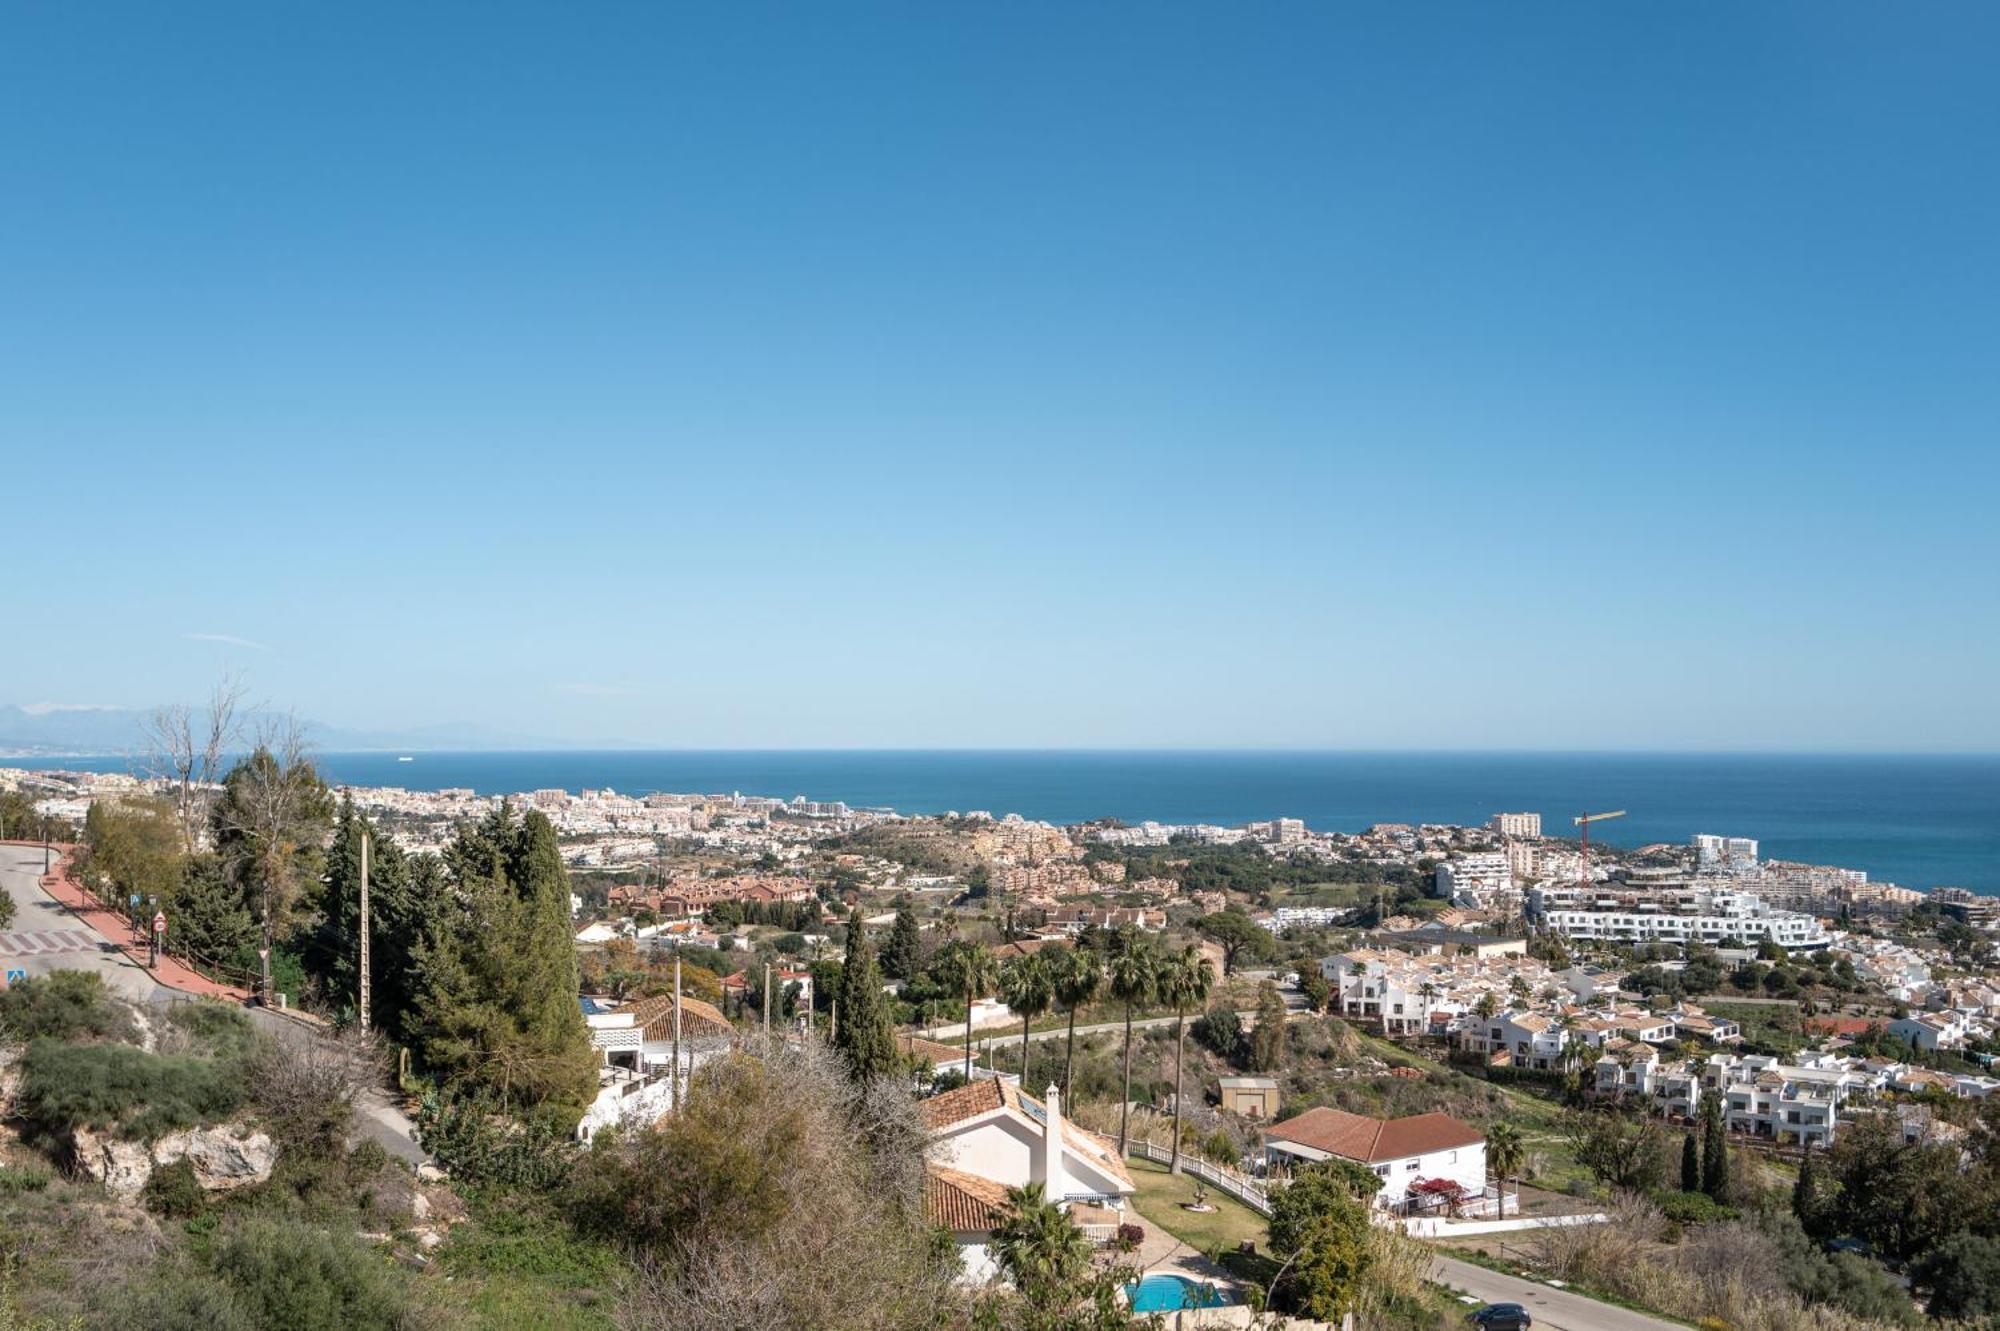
[39,942]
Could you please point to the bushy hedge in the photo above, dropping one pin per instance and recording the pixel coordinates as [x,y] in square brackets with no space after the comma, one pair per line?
[63,1005]
[119,1087]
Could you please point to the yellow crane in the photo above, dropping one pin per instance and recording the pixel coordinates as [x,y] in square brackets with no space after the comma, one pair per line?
[1583,821]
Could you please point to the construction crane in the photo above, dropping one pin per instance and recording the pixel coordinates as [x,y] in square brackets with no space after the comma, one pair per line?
[1583,822]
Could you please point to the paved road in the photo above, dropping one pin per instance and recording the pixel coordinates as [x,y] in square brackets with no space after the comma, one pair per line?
[1553,1309]
[38,914]
[45,937]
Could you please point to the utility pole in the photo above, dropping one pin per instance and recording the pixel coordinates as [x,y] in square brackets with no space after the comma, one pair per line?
[833,1022]
[676,1074]
[767,1000]
[365,986]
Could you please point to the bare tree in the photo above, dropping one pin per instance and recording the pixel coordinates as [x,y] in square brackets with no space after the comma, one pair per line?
[273,809]
[185,748]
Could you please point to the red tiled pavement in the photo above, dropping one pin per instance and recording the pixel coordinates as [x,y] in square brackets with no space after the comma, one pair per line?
[117,931]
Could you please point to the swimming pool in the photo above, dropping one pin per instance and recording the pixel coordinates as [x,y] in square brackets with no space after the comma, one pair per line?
[1161,1294]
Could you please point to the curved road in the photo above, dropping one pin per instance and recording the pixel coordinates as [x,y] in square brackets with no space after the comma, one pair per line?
[46,937]
[1552,1309]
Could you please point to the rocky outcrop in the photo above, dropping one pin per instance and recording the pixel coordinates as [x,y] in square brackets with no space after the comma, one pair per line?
[121,1166]
[223,1157]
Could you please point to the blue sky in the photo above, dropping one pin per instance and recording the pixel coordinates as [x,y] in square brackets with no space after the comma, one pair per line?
[1319,375]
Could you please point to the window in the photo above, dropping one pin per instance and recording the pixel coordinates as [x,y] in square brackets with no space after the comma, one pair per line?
[1382,1171]
[1409,1165]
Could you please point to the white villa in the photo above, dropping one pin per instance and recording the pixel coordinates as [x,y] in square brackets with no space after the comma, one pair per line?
[1418,1158]
[988,1137]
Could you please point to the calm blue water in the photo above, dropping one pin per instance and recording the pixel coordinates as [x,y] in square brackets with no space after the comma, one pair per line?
[1921,821]
[1159,1294]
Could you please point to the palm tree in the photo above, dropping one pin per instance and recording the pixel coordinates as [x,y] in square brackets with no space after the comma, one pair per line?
[1134,979]
[1505,1156]
[1486,1006]
[1428,991]
[970,970]
[1026,987]
[1184,982]
[1079,975]
[1038,1246]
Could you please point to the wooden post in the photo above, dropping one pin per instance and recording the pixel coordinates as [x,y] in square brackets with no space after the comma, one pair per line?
[365,986]
[833,1022]
[767,999]
[676,1073]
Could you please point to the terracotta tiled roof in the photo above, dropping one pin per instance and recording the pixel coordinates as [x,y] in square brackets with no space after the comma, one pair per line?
[967,1101]
[930,1049]
[960,1201]
[699,1020]
[1370,1140]
[990,1093]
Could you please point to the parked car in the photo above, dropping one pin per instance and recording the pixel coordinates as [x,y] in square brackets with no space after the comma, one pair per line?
[1501,1317]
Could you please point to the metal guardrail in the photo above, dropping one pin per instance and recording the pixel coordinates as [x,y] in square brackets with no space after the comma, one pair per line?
[1244,1190]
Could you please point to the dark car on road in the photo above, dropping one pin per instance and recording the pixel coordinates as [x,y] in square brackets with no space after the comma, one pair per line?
[1502,1317]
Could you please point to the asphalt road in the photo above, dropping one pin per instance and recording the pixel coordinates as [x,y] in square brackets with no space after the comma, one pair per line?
[1552,1309]
[38,913]
[39,918]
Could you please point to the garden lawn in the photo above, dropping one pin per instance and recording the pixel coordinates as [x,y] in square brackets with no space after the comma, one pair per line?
[1159,1203]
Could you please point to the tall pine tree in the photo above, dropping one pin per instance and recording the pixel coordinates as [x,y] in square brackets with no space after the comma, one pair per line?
[498,1003]
[1690,1164]
[863,1033]
[1805,1195]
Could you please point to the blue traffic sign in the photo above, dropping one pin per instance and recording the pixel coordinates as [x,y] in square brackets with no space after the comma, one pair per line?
[15,975]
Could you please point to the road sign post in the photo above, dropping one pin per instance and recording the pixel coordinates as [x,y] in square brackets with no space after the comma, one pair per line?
[159,936]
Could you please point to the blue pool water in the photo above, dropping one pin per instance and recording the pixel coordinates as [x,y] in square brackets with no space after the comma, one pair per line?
[1162,1294]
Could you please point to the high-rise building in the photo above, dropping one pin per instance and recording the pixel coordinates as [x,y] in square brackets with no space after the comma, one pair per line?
[1516,824]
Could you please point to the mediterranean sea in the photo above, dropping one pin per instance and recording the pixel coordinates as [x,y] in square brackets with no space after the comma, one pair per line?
[1920,821]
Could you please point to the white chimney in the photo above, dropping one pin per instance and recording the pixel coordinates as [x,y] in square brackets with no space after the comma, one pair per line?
[1054,1187]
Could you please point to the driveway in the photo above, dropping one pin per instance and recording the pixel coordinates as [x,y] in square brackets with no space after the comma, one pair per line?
[1553,1309]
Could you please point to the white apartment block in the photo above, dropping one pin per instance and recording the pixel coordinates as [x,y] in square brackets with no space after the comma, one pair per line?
[1475,879]
[1724,853]
[1516,824]
[1715,918]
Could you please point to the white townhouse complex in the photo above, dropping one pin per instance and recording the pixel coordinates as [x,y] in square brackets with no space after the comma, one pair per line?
[1717,918]
[1761,1096]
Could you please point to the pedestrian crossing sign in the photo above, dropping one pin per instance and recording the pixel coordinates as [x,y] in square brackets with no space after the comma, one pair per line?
[15,975]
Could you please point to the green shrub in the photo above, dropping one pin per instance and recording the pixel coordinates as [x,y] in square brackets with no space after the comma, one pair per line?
[182,1298]
[63,1005]
[25,1178]
[1693,1208]
[172,1191]
[118,1087]
[293,1275]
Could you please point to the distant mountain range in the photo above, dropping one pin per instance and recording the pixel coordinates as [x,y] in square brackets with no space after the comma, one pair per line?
[40,730]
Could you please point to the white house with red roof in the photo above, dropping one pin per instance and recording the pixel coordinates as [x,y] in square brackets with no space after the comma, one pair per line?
[1424,1153]
[989,1136]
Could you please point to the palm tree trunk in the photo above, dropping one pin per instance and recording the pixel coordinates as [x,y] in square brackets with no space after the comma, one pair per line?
[1180,1048]
[1069,1055]
[1125,1105]
[968,1035]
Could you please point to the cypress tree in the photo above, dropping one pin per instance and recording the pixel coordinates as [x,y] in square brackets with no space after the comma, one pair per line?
[1267,1041]
[1714,1154]
[902,956]
[1804,1198]
[863,1033]
[1690,1165]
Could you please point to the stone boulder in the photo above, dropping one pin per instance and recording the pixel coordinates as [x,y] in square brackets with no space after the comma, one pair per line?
[222,1158]
[121,1166]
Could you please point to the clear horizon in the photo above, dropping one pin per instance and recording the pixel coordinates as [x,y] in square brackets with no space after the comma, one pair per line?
[1324,378]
